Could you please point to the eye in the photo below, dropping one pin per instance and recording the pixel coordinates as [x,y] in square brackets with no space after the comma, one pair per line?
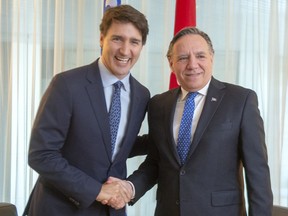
[183,58]
[201,56]
[136,42]
[116,39]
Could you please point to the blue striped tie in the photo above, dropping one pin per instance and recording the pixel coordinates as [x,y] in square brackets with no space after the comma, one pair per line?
[184,135]
[115,113]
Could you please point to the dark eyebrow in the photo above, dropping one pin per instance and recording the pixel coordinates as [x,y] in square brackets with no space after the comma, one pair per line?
[115,35]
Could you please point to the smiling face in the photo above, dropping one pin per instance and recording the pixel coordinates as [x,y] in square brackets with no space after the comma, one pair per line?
[121,47]
[192,62]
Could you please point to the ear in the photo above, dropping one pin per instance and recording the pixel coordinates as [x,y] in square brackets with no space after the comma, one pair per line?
[212,57]
[101,40]
[170,63]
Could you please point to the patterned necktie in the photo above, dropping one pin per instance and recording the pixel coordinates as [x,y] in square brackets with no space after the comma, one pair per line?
[115,113]
[184,135]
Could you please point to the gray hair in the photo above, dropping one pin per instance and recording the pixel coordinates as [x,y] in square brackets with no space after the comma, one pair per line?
[188,31]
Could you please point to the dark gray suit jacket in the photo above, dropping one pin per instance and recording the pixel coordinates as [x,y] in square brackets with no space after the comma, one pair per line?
[229,136]
[70,143]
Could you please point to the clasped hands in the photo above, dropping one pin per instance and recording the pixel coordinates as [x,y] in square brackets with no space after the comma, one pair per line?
[115,193]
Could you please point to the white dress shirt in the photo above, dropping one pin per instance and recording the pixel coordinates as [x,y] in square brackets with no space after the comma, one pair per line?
[108,79]
[199,103]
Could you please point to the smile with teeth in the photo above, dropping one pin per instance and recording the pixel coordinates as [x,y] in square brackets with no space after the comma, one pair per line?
[123,60]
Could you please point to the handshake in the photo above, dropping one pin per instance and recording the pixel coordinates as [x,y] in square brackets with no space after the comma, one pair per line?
[115,193]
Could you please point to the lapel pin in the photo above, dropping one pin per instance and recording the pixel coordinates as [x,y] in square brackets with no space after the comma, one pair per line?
[213,99]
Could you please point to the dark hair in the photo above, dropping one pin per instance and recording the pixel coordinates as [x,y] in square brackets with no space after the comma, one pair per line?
[187,31]
[125,14]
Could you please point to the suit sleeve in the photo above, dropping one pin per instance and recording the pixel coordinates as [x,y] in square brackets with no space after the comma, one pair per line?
[140,147]
[48,136]
[146,176]
[255,159]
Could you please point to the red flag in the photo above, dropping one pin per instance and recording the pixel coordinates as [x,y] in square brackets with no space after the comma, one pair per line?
[185,15]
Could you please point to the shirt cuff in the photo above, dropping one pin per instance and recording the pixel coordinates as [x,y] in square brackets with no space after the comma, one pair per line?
[133,189]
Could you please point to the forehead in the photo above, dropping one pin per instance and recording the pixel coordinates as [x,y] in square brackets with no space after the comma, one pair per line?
[124,28]
[191,42]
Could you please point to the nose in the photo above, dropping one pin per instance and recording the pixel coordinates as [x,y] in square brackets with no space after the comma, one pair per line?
[125,48]
[192,62]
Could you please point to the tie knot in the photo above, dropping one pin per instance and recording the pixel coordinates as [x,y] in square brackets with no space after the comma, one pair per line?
[192,95]
[118,85]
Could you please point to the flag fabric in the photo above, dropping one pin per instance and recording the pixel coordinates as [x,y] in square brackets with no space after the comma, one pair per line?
[110,3]
[185,15]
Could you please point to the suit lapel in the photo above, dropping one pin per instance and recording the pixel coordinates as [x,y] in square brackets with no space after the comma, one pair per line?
[169,112]
[97,99]
[213,99]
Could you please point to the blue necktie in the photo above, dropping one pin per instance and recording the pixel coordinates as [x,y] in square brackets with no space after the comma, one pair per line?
[115,113]
[184,135]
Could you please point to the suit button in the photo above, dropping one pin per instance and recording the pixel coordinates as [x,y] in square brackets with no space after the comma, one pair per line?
[177,202]
[182,172]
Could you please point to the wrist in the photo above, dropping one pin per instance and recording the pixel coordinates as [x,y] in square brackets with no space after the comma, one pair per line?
[132,189]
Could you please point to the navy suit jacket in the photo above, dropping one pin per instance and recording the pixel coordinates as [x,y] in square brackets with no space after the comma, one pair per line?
[228,137]
[70,144]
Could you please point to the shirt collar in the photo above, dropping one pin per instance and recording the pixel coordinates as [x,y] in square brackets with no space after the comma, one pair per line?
[108,79]
[202,91]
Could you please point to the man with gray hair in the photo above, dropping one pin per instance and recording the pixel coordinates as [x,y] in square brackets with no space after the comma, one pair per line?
[203,135]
